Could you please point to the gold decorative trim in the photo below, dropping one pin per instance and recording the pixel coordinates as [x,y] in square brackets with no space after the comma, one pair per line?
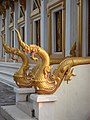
[54,4]
[49,35]
[35,13]
[79,25]
[38,4]
[55,60]
[11,25]
[21,20]
[31,30]
[73,50]
[2,29]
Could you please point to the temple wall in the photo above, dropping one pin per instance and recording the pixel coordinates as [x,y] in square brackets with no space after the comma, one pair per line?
[73,98]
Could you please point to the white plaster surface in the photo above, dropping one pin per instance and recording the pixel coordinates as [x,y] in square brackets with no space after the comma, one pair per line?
[73,101]
[43,98]
[70,102]
[21,93]
[26,107]
[44,106]
[74,98]
[24,90]
[13,113]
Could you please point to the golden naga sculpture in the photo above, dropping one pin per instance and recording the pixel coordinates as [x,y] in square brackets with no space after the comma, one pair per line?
[40,76]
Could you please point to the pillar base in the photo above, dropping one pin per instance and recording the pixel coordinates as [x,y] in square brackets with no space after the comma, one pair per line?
[43,106]
[22,93]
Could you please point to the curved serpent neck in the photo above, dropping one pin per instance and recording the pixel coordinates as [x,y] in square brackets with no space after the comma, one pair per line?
[34,48]
[63,71]
[41,52]
[17,52]
[64,68]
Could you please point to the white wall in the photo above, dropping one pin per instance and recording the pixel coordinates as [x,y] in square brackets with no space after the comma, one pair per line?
[74,98]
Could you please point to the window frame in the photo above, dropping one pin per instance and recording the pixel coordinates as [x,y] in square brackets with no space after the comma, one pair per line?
[51,6]
[12,39]
[21,32]
[34,30]
[54,31]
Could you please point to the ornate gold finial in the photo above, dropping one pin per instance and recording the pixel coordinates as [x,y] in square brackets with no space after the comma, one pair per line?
[73,50]
[40,76]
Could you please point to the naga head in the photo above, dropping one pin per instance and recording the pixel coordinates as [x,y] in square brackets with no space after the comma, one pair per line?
[33,49]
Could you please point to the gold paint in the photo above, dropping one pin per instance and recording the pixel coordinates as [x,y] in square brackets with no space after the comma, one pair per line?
[40,76]
[38,4]
[20,75]
[73,50]
[13,58]
[35,13]
[56,60]
[79,7]
[63,27]
[49,35]
[31,29]
[21,19]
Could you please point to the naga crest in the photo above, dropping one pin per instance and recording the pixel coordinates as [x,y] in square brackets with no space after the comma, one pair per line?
[40,76]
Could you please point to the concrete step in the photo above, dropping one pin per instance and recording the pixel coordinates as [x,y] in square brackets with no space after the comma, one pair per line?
[7,70]
[26,107]
[5,79]
[14,113]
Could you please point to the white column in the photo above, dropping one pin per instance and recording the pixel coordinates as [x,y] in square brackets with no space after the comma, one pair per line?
[27,22]
[85,29]
[21,93]
[44,37]
[15,23]
[44,106]
[7,33]
[0,37]
[75,20]
[69,27]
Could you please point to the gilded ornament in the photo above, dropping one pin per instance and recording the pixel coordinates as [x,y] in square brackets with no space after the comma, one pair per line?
[73,50]
[40,76]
